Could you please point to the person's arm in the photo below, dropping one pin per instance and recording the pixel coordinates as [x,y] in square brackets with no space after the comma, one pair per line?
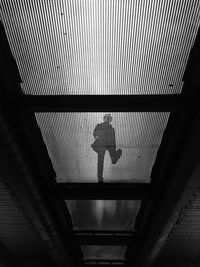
[98,131]
[114,140]
[112,136]
[95,132]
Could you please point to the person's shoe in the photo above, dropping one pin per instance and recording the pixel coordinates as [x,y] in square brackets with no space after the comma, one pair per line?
[117,156]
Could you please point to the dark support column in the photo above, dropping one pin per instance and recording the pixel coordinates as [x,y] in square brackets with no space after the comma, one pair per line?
[24,168]
[174,176]
[20,175]
[169,182]
[6,259]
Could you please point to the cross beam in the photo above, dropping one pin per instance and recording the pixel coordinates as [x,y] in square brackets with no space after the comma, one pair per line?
[96,263]
[104,265]
[108,191]
[107,103]
[105,239]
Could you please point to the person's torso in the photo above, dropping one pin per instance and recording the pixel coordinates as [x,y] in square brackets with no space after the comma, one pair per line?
[106,134]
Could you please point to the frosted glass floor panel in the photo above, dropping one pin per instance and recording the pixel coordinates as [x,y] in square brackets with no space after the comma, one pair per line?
[103,252]
[103,214]
[69,136]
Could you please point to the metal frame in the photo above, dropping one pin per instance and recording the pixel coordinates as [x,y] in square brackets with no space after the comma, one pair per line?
[108,191]
[101,263]
[169,180]
[22,179]
[152,227]
[104,238]
[174,177]
[106,103]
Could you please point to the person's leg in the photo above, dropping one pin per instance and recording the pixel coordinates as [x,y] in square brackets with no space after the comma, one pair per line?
[100,164]
[114,155]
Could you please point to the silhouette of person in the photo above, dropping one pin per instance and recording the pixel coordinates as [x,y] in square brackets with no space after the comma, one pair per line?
[104,135]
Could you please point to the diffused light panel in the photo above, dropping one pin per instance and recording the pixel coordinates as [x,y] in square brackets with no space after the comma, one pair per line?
[114,215]
[101,46]
[69,136]
[104,252]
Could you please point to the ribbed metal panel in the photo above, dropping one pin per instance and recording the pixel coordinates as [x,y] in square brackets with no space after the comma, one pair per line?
[69,137]
[184,238]
[101,46]
[113,215]
[16,231]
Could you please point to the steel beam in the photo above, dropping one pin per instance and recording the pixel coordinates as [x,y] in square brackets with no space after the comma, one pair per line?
[106,232]
[104,239]
[109,191]
[33,185]
[103,265]
[6,258]
[175,175]
[20,176]
[171,180]
[106,103]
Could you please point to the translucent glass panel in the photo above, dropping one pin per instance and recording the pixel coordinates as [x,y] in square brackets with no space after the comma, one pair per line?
[103,214]
[101,46]
[69,136]
[103,252]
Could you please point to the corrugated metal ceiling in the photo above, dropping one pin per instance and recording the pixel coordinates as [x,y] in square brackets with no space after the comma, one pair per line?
[185,236]
[16,231]
[101,46]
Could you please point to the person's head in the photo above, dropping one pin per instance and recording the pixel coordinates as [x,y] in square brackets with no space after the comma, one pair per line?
[107,118]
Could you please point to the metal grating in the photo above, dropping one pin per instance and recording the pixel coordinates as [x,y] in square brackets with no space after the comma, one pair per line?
[101,46]
[95,215]
[69,137]
[16,231]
